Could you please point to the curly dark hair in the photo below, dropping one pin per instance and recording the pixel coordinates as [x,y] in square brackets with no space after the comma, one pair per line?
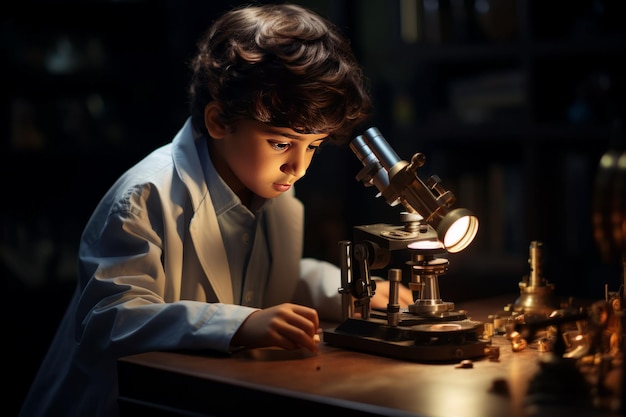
[283,65]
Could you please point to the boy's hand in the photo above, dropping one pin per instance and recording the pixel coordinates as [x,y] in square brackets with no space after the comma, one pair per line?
[289,326]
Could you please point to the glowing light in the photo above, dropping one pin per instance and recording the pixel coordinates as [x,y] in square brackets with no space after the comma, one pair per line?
[426,244]
[461,230]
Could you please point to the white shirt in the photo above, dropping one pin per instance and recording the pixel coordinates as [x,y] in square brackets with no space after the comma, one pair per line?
[244,236]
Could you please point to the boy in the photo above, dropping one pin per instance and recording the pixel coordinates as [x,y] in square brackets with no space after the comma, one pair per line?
[199,245]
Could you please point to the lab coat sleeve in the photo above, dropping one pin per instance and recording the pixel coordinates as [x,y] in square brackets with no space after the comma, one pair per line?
[319,288]
[129,304]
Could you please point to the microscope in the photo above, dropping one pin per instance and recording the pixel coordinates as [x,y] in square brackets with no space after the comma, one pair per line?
[429,330]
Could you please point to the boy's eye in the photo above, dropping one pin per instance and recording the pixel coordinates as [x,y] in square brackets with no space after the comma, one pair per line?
[316,146]
[279,146]
[283,146]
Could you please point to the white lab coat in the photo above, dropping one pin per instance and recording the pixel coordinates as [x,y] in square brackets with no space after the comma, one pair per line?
[153,275]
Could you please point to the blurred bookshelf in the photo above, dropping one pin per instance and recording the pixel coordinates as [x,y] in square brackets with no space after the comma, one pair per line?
[513,103]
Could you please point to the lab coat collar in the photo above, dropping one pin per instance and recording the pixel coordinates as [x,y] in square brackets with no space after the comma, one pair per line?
[203,228]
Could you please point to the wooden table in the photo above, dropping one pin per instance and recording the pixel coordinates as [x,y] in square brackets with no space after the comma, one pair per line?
[335,380]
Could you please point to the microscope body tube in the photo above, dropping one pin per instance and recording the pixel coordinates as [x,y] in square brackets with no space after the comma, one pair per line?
[381,148]
[373,172]
[401,182]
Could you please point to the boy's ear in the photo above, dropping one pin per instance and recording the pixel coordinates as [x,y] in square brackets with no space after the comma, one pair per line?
[213,121]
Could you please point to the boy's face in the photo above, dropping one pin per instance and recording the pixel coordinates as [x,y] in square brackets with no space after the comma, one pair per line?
[263,159]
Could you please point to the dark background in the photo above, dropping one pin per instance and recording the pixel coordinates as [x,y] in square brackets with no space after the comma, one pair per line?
[513,104]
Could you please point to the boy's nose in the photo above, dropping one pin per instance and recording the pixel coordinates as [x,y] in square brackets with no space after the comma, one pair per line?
[296,166]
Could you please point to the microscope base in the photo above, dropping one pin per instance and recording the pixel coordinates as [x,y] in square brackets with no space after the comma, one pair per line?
[441,341]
